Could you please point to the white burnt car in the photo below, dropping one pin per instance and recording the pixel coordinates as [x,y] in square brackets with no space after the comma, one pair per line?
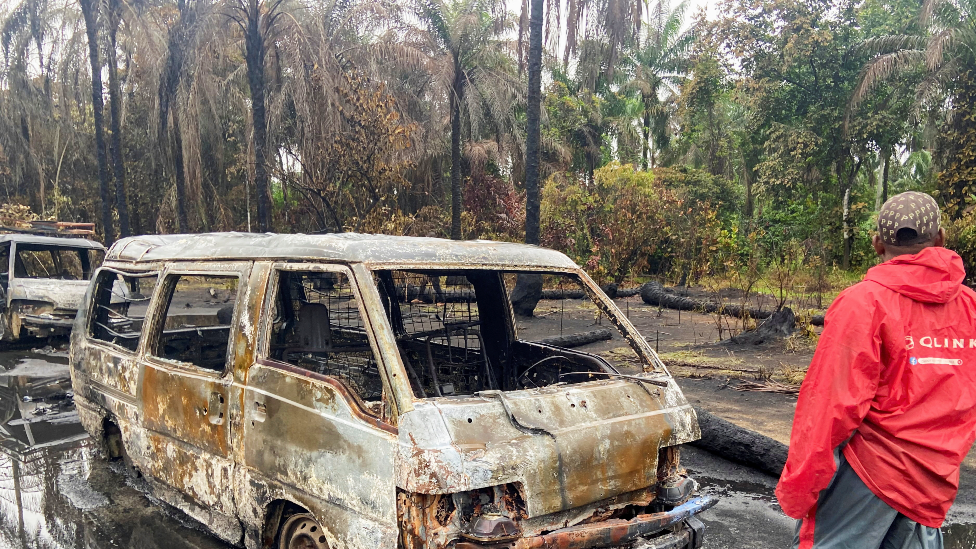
[42,281]
[363,392]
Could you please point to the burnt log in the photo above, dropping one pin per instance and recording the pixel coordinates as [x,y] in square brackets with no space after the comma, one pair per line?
[653,293]
[741,445]
[578,340]
[526,294]
[627,292]
[612,291]
[817,320]
[779,325]
[555,295]
[431,294]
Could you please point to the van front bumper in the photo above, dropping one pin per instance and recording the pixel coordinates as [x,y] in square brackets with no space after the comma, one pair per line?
[643,531]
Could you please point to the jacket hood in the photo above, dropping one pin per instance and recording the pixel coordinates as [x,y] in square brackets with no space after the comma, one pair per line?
[933,275]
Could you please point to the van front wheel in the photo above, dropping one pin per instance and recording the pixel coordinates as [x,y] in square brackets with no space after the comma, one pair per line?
[301,531]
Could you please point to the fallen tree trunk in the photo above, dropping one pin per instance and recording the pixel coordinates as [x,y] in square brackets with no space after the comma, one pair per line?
[578,340]
[562,294]
[729,441]
[429,294]
[817,320]
[627,292]
[610,289]
[653,293]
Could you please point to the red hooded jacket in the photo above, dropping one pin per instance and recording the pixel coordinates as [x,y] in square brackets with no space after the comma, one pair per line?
[893,377]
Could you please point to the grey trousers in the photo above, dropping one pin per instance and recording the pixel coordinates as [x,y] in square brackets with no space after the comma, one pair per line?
[850,516]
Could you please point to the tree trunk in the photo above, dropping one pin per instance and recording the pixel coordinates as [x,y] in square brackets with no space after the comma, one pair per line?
[254,57]
[848,234]
[179,169]
[88,10]
[457,92]
[115,100]
[532,124]
[180,34]
[747,178]
[884,176]
[846,260]
[646,131]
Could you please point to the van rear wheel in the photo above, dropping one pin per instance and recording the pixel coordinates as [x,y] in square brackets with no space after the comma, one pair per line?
[301,531]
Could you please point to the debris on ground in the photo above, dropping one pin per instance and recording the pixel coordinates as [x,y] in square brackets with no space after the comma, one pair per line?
[768,386]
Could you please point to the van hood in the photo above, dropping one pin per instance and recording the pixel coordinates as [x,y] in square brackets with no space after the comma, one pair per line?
[565,445]
[63,294]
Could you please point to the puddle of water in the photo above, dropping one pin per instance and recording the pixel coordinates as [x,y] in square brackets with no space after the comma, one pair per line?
[959,536]
[56,492]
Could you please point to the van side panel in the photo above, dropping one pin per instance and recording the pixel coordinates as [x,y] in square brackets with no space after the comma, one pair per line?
[303,432]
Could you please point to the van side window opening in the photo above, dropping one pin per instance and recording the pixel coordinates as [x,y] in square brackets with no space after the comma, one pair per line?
[60,263]
[196,326]
[455,335]
[318,327]
[120,305]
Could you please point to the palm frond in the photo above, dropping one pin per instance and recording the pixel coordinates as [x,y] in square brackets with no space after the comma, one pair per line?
[881,68]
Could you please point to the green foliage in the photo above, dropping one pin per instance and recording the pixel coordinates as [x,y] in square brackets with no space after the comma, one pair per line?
[957,181]
[628,220]
[611,226]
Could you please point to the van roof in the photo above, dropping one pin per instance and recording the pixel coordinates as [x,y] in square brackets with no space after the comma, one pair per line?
[51,241]
[376,250]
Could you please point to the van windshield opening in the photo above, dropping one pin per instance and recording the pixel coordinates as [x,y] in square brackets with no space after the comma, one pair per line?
[455,334]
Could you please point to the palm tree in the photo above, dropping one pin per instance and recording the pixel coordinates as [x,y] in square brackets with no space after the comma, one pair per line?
[259,22]
[115,109]
[89,10]
[532,125]
[618,23]
[657,66]
[179,60]
[469,61]
[948,55]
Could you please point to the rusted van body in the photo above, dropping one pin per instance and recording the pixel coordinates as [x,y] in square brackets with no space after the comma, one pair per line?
[42,281]
[363,391]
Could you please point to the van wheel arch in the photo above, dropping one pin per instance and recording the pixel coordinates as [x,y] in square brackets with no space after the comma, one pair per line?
[114,447]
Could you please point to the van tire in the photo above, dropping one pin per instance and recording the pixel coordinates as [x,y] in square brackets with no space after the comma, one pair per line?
[301,531]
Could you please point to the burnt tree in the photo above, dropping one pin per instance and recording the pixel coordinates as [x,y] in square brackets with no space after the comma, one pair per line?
[89,10]
[257,20]
[180,36]
[528,287]
[115,109]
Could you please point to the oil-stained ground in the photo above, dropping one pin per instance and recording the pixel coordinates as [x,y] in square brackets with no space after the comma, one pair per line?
[56,491]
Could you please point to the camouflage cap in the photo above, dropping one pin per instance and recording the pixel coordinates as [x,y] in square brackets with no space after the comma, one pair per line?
[912,210]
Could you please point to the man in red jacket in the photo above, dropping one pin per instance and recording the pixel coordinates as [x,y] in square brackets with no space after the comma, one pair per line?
[887,411]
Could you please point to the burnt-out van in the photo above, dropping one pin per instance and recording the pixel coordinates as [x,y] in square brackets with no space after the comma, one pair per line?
[361,392]
[42,281]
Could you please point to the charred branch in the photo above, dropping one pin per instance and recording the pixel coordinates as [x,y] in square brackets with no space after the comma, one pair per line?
[578,340]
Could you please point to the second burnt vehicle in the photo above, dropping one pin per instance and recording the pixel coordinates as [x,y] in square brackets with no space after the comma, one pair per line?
[363,391]
[42,281]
